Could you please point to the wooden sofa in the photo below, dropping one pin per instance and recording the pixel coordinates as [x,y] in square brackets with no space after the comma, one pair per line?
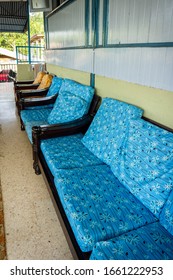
[96,203]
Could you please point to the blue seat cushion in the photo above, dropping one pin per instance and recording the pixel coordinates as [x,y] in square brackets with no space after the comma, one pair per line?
[32,118]
[150,242]
[73,102]
[35,115]
[29,126]
[49,106]
[66,153]
[107,130]
[166,215]
[55,86]
[98,207]
[145,163]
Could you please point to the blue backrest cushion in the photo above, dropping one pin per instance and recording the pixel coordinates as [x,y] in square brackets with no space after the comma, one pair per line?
[55,86]
[107,130]
[166,215]
[73,102]
[145,162]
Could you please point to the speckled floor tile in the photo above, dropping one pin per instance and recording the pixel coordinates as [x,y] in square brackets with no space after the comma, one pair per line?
[31,224]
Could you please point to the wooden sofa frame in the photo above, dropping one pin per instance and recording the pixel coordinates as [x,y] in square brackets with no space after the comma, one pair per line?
[41,166]
[29,90]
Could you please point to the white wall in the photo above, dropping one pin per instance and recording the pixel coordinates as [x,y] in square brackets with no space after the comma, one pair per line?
[128,22]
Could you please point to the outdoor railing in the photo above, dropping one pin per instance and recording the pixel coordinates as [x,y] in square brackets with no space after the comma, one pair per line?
[5,66]
[25,54]
[29,54]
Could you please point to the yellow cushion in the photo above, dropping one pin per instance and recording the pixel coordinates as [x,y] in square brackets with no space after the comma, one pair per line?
[39,77]
[46,81]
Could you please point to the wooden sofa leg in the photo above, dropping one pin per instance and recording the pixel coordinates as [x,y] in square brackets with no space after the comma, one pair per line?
[18,110]
[22,125]
[36,168]
[19,106]
[35,147]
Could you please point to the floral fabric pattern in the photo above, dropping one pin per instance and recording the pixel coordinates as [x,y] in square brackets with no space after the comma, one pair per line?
[35,115]
[107,131]
[115,183]
[98,207]
[150,242]
[72,103]
[32,118]
[49,106]
[67,152]
[55,86]
[29,126]
[145,164]
[166,215]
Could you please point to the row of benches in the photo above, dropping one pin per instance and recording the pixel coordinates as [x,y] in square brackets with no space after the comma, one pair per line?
[108,169]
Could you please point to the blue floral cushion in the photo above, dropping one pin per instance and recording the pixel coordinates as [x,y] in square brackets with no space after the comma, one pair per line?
[49,106]
[98,207]
[67,152]
[107,131]
[145,163]
[35,115]
[55,86]
[166,215]
[29,126]
[151,242]
[73,102]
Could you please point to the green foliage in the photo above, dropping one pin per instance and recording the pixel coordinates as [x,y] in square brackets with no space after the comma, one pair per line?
[36,23]
[11,40]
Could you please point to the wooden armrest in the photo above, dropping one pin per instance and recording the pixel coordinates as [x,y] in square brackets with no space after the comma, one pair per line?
[30,102]
[30,93]
[26,87]
[24,82]
[63,129]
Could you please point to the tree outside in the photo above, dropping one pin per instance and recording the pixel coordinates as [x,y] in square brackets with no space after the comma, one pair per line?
[9,41]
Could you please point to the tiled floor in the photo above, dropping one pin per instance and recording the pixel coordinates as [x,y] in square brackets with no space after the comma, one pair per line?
[32,227]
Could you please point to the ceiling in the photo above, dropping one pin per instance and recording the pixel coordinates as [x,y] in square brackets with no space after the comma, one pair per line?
[13,16]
